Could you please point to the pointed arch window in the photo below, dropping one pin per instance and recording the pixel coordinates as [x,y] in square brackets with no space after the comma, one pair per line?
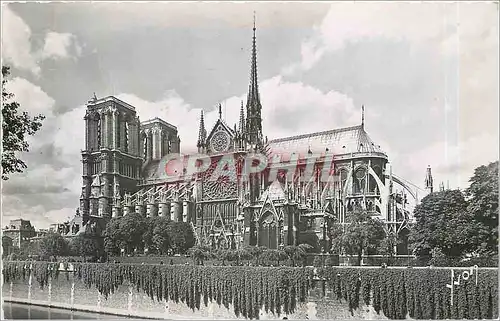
[359,180]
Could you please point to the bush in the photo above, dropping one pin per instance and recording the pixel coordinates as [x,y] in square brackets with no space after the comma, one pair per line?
[318,261]
[332,260]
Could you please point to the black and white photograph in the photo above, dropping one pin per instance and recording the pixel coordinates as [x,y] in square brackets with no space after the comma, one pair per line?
[231,160]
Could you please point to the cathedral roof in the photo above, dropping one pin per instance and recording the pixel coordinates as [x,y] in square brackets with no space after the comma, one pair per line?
[339,141]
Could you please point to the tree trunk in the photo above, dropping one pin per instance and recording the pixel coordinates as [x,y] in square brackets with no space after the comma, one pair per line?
[360,257]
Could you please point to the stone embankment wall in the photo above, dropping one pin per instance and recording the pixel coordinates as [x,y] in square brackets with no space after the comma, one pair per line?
[69,293]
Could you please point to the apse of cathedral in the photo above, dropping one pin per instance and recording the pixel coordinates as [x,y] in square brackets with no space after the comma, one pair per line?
[123,172]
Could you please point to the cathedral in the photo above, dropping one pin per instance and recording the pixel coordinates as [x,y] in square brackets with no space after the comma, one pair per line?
[123,172]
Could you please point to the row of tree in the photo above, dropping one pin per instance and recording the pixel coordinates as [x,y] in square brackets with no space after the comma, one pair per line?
[157,235]
[454,225]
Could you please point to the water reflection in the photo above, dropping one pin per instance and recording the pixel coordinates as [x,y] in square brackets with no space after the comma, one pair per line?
[30,312]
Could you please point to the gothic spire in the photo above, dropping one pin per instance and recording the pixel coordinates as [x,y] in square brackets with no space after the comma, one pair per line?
[254,121]
[202,134]
[363,116]
[242,119]
[220,111]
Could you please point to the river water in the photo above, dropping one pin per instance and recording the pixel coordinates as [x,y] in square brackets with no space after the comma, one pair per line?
[28,312]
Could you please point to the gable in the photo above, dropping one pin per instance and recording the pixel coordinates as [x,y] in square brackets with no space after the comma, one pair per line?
[220,125]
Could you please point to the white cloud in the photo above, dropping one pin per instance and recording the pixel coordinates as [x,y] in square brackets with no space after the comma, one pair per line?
[288,108]
[454,163]
[16,42]
[17,48]
[439,24]
[30,97]
[58,45]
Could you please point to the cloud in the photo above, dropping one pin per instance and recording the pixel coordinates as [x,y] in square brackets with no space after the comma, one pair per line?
[454,163]
[441,25]
[235,15]
[288,108]
[58,45]
[49,189]
[17,44]
[30,97]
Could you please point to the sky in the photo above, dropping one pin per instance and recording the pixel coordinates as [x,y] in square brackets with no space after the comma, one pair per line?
[427,74]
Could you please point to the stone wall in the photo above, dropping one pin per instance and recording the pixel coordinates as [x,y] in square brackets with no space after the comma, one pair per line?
[69,293]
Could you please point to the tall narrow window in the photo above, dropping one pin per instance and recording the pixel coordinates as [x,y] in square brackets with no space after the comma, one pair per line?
[126,137]
[97,123]
[359,181]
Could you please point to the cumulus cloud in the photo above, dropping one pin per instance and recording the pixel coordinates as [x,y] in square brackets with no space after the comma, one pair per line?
[30,96]
[59,45]
[288,108]
[441,25]
[17,46]
[48,190]
[16,42]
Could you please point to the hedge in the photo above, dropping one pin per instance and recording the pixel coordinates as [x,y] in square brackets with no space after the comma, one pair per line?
[395,292]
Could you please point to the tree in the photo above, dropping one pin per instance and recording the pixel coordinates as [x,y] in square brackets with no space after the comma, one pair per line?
[7,245]
[15,127]
[181,236]
[482,195]
[161,239]
[387,246]
[53,244]
[240,254]
[112,237]
[86,244]
[125,233]
[362,234]
[147,237]
[443,222]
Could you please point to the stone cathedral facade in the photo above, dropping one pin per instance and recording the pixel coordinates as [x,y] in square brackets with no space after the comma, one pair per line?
[124,172]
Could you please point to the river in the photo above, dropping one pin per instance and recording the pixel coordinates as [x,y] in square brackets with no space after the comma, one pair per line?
[13,311]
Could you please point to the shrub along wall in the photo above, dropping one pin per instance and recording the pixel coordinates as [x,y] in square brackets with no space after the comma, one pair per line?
[396,293]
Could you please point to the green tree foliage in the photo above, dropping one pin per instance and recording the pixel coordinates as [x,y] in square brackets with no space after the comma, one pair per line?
[7,245]
[125,233]
[443,222]
[113,242]
[147,237]
[15,126]
[482,195]
[362,234]
[387,245]
[158,234]
[53,245]
[181,236]
[161,239]
[86,244]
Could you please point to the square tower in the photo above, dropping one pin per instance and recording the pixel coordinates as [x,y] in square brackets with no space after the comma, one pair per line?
[112,156]
[158,138]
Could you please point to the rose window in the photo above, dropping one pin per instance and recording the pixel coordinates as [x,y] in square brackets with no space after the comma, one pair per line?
[220,142]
